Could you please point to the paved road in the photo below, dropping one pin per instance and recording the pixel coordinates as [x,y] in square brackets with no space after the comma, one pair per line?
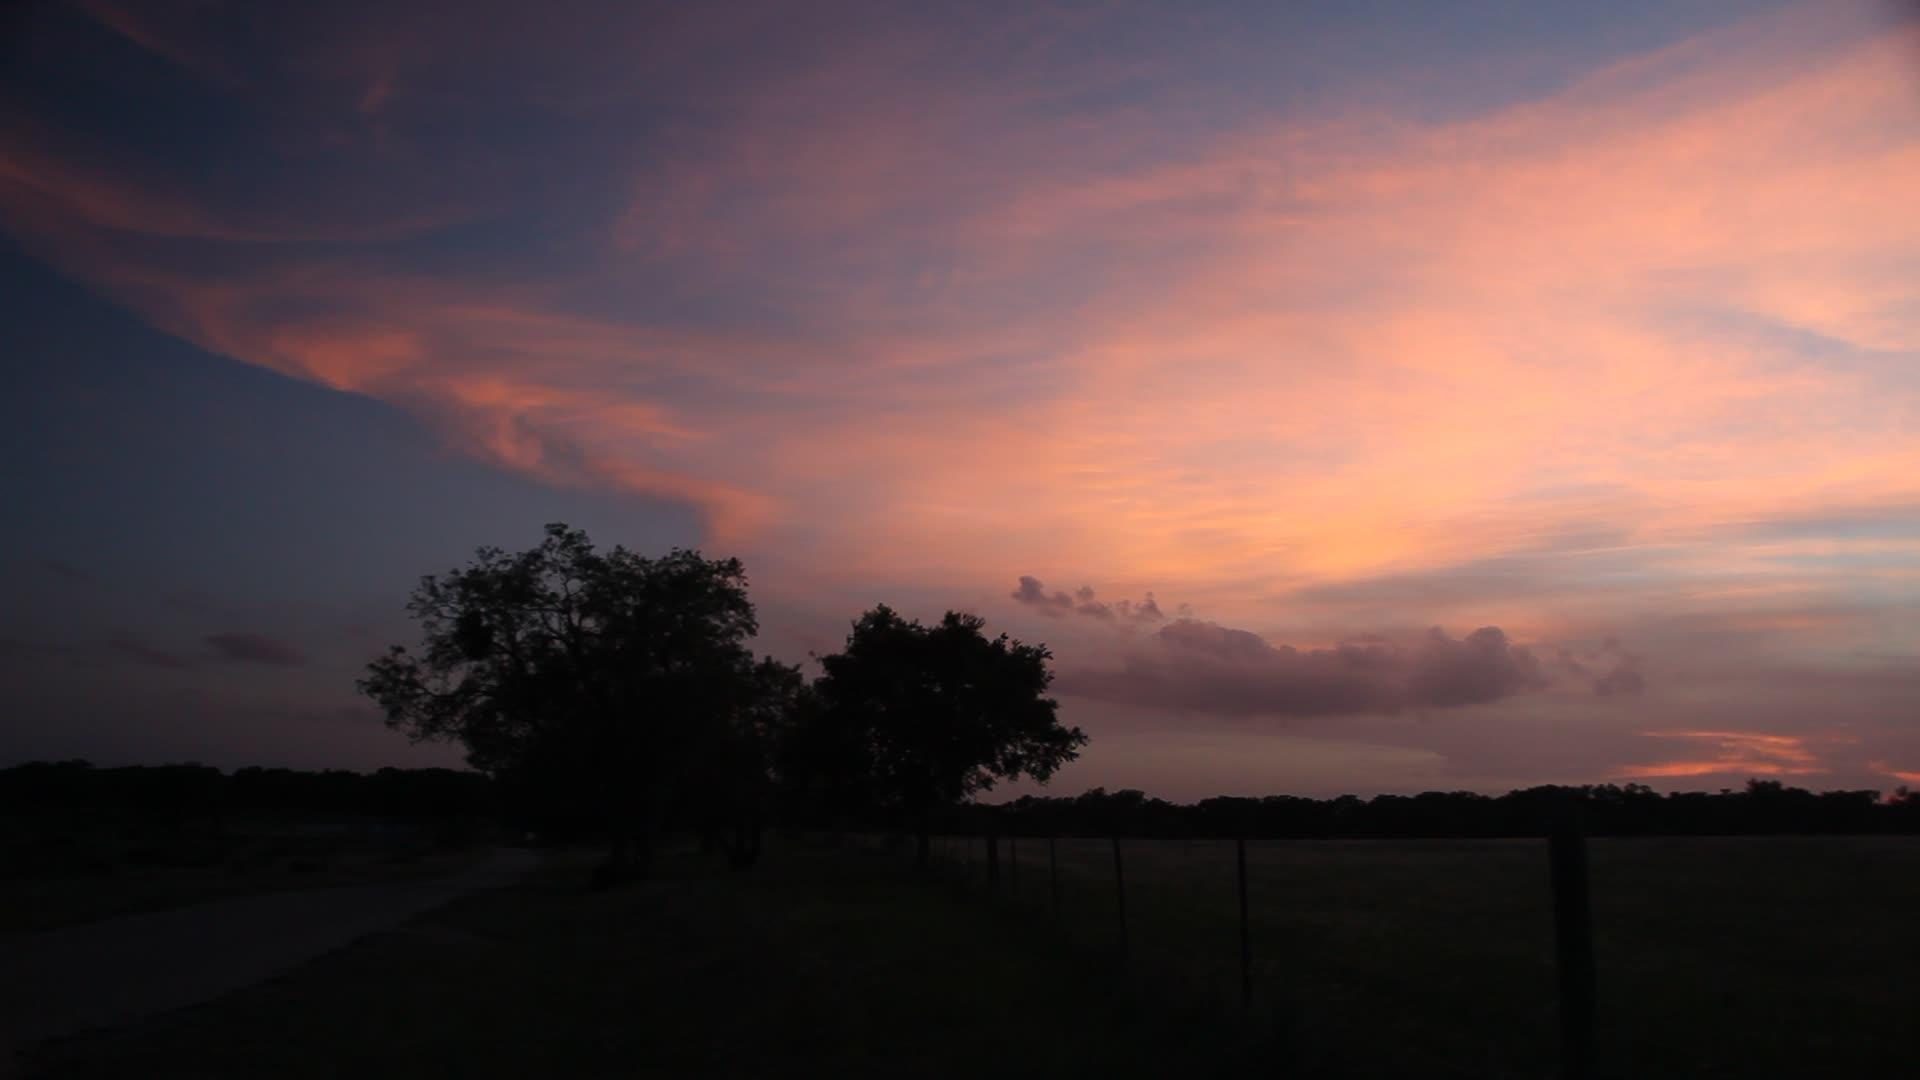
[101,974]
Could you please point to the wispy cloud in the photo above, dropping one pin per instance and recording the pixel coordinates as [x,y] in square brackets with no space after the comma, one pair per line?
[1290,318]
[1905,776]
[1733,753]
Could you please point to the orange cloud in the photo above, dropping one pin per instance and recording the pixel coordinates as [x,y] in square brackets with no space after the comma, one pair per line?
[1905,776]
[1736,753]
[1239,366]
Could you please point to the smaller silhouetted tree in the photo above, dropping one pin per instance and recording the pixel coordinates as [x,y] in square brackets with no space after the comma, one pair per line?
[936,714]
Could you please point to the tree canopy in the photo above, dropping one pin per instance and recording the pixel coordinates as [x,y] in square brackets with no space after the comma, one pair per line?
[593,676]
[619,688]
[927,716]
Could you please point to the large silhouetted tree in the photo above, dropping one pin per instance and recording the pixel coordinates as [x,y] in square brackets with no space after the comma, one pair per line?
[592,676]
[941,712]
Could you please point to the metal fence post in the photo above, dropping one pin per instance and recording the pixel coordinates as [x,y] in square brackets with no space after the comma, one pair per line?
[1013,866]
[993,862]
[1053,875]
[1120,893]
[1573,941]
[1246,942]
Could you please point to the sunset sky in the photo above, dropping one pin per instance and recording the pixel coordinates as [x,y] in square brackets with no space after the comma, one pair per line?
[1356,397]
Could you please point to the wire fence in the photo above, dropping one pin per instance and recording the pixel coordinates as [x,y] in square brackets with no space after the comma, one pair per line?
[1240,923]
[1527,957]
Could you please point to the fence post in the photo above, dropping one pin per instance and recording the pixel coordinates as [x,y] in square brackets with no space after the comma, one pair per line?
[993,862]
[1120,893]
[1573,941]
[1246,942]
[1053,875]
[1013,866]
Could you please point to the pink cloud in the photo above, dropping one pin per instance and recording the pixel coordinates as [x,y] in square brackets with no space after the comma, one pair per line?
[1733,753]
[1247,365]
[1905,776]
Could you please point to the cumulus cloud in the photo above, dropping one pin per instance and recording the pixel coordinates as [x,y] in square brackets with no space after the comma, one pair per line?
[249,648]
[1085,604]
[1624,680]
[1195,666]
[1611,669]
[1033,593]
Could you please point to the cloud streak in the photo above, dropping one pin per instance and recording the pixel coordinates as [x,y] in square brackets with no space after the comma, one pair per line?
[1201,667]
[1733,753]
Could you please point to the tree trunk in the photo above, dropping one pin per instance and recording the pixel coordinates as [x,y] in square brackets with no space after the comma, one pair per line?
[643,847]
[629,855]
[745,849]
[618,868]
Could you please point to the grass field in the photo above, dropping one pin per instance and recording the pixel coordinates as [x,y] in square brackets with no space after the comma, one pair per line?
[51,901]
[817,963]
[1717,957]
[1785,956]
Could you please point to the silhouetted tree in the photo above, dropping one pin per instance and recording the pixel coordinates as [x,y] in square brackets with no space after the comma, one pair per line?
[730,778]
[585,674]
[941,711]
[824,763]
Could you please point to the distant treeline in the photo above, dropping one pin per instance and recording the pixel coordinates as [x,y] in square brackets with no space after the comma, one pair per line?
[1762,807]
[194,791]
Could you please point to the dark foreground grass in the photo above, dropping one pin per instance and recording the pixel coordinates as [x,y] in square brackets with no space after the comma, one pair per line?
[1774,957]
[1723,957]
[818,963]
[48,902]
